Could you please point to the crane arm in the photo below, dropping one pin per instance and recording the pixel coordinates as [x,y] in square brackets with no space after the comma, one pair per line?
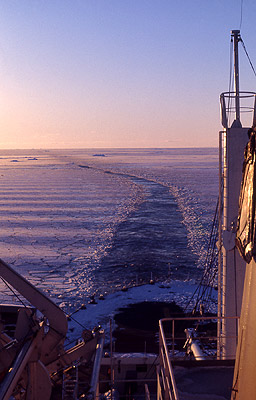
[56,317]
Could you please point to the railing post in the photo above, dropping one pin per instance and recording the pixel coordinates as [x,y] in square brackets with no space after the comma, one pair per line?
[173,336]
[220,245]
[254,112]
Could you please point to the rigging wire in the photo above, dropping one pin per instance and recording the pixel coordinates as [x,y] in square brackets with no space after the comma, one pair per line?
[246,52]
[13,292]
[26,306]
[204,289]
[203,292]
[241,14]
[73,319]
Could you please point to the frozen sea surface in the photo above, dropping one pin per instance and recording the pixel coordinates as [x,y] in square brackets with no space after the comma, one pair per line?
[84,222]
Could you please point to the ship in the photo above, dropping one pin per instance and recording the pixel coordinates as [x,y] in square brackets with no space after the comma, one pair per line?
[200,357]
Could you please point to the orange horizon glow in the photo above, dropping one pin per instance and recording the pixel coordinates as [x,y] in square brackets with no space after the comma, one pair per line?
[116,75]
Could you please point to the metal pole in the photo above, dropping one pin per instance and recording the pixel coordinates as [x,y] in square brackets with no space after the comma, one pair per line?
[220,249]
[236,37]
[173,337]
[111,359]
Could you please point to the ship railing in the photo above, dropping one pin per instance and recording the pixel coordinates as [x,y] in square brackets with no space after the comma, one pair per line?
[166,384]
[172,331]
[178,339]
[247,102]
[94,384]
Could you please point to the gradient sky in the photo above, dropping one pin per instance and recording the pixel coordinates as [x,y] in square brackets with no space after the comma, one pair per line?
[118,73]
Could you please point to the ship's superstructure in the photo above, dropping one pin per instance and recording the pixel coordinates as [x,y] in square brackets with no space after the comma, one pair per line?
[234,105]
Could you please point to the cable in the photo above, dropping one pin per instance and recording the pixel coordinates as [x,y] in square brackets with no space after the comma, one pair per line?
[73,319]
[207,283]
[210,269]
[241,15]
[13,292]
[248,57]
[25,306]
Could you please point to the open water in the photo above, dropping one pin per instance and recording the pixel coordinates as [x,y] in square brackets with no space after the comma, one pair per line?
[84,222]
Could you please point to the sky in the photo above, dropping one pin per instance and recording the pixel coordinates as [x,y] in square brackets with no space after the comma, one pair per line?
[118,73]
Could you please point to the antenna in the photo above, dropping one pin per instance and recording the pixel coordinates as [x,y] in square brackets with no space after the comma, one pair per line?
[236,38]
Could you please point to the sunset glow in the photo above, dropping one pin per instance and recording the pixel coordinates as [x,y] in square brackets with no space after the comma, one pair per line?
[117,73]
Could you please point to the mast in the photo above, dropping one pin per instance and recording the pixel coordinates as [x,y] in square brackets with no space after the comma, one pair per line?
[232,266]
[235,34]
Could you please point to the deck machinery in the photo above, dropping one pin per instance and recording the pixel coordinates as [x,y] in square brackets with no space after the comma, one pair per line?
[34,360]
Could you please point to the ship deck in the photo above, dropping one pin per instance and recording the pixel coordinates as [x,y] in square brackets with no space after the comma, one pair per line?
[204,380]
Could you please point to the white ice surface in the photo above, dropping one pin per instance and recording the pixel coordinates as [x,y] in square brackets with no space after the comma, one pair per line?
[57,223]
[104,310]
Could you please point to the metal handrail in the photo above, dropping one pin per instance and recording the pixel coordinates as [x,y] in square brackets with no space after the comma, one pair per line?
[165,376]
[218,337]
[93,393]
[242,94]
[168,380]
[230,108]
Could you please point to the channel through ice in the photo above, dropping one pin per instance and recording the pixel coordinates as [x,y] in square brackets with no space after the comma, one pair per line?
[83,223]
